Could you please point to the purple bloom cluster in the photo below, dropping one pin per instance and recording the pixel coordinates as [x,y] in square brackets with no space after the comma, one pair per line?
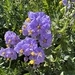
[11,38]
[37,25]
[8,53]
[28,47]
[36,30]
[37,55]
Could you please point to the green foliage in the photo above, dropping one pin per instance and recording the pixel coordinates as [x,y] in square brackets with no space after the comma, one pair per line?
[60,57]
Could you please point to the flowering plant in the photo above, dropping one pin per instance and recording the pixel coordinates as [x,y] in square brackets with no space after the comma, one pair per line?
[40,45]
[37,37]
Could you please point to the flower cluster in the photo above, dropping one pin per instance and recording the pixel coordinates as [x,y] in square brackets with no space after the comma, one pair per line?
[8,53]
[36,30]
[37,25]
[11,39]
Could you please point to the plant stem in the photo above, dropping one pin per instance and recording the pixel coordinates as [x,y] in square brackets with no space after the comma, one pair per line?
[9,66]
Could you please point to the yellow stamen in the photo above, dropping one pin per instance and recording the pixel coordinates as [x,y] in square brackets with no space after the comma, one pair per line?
[44,41]
[28,20]
[31,62]
[31,45]
[21,51]
[30,32]
[7,45]
[20,31]
[3,53]
[24,26]
[38,27]
[32,53]
[60,3]
[8,59]
[40,54]
[9,41]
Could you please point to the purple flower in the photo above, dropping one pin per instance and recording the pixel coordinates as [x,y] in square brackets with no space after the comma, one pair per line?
[72,0]
[31,15]
[41,23]
[19,47]
[2,52]
[45,40]
[11,38]
[36,23]
[11,54]
[36,30]
[26,46]
[38,57]
[8,53]
[69,6]
[31,42]
[27,30]
[25,59]
[65,2]
[24,29]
